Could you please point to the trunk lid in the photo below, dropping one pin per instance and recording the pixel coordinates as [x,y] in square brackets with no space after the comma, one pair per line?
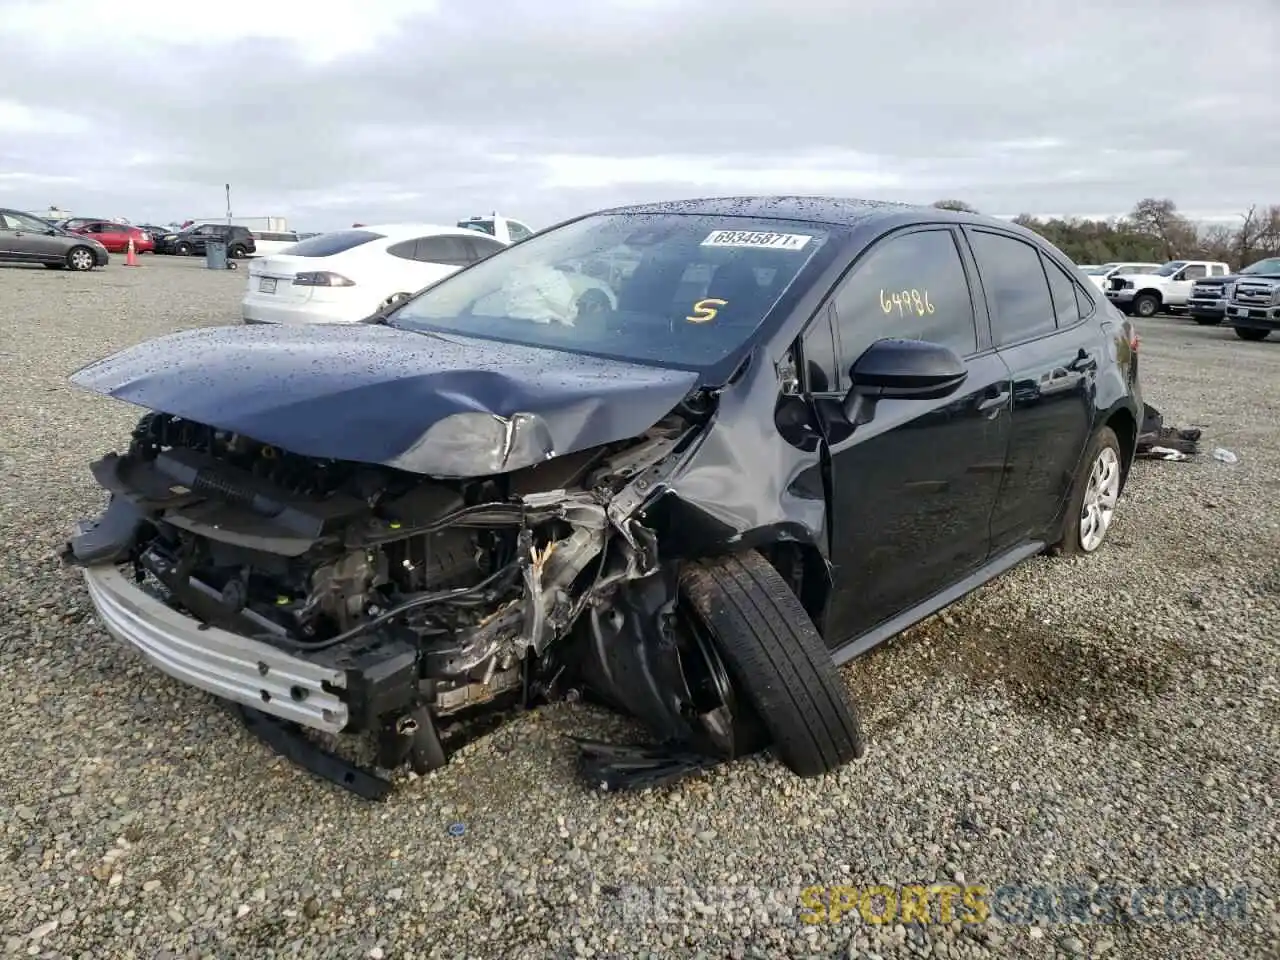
[272,276]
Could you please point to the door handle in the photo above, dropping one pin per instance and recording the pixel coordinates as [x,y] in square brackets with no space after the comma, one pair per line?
[993,405]
[1084,362]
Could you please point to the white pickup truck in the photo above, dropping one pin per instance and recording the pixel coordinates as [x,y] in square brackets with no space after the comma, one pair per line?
[502,228]
[1100,274]
[1169,288]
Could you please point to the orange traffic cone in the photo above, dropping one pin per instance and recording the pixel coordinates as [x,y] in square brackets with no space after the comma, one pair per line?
[131,255]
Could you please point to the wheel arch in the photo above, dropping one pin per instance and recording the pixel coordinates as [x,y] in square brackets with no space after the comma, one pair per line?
[1122,422]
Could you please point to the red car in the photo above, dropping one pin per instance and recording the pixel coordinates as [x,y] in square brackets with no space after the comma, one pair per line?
[115,236]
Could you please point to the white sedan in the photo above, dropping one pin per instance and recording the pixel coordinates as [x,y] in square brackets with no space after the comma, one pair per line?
[346,275]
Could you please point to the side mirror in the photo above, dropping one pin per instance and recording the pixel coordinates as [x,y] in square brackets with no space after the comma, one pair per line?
[902,370]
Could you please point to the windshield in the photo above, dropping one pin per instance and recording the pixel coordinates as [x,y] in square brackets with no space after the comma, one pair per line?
[1170,268]
[1271,265]
[1099,271]
[480,226]
[674,290]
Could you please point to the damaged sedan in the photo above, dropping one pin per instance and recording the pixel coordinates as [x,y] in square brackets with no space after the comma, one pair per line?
[682,459]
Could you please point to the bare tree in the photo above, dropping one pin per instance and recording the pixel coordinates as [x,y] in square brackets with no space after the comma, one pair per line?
[1160,219]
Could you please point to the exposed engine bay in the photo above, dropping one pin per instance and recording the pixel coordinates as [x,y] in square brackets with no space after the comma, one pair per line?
[436,596]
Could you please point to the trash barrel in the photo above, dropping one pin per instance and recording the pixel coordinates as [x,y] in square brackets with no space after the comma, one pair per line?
[215,254]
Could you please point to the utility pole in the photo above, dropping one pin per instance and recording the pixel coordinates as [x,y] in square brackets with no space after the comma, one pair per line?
[228,186]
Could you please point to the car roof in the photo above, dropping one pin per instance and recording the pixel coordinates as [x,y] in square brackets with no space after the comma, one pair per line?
[845,212]
[397,230]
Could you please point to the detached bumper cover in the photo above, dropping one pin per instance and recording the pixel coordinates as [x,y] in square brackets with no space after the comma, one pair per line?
[217,661]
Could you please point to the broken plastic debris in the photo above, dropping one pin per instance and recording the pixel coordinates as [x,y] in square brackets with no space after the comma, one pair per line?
[1166,453]
[1225,455]
[457,829]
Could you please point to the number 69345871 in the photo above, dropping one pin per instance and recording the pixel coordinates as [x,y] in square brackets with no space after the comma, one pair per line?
[905,302]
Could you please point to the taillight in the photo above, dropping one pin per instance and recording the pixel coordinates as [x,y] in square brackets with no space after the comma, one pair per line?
[322,278]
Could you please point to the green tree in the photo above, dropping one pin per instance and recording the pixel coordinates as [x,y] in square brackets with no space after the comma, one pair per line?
[957,205]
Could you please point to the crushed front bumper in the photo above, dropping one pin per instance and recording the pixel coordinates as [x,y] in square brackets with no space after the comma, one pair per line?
[222,663]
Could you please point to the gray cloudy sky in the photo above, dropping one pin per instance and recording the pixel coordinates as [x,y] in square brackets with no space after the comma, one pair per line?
[333,111]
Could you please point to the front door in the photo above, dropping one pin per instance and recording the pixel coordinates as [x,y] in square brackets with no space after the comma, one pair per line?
[911,492]
[1178,290]
[1037,325]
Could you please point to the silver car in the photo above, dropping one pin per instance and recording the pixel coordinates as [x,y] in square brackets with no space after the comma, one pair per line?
[28,239]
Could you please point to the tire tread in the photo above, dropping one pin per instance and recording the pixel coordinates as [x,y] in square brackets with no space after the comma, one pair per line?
[775,653]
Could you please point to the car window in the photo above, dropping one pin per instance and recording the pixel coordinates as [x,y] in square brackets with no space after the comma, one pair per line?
[1016,287]
[1085,303]
[448,250]
[910,286]
[18,221]
[404,249]
[517,230]
[328,244]
[822,373]
[1063,292]
[1194,272]
[481,247]
[681,290]
[481,226]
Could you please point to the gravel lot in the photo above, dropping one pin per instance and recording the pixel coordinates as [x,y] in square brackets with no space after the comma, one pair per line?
[1110,722]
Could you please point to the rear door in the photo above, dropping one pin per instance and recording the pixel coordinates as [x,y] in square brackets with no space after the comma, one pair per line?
[113,236]
[1039,325]
[912,491]
[11,247]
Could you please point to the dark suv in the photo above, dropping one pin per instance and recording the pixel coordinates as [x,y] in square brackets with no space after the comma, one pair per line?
[780,432]
[239,240]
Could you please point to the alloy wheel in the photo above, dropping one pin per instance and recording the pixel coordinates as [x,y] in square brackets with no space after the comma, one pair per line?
[1100,497]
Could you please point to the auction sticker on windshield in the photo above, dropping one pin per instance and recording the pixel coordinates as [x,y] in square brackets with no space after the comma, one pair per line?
[745,238]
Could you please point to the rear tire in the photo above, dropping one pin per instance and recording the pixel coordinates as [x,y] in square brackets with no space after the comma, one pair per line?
[237,251]
[182,250]
[1252,333]
[1102,457]
[1145,305]
[776,657]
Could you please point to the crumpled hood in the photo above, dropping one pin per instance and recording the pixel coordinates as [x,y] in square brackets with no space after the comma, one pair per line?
[374,394]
